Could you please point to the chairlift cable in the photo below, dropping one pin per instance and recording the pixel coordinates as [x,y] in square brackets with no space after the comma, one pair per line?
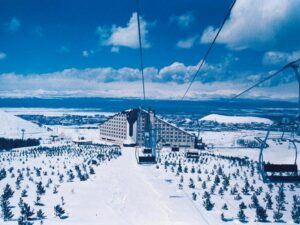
[209,49]
[140,48]
[266,78]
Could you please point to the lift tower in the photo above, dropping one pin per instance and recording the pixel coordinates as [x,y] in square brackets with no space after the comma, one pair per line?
[295,67]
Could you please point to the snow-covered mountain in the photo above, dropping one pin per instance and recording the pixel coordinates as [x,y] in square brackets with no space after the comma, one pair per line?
[235,119]
[11,127]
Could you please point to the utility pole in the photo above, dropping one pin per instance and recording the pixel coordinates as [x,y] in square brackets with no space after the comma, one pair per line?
[23,133]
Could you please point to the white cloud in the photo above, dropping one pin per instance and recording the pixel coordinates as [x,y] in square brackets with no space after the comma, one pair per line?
[183,20]
[260,24]
[64,49]
[87,53]
[115,49]
[13,25]
[276,57]
[2,55]
[187,43]
[208,35]
[118,36]
[103,33]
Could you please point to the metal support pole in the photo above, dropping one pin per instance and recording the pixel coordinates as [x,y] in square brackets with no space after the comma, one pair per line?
[295,68]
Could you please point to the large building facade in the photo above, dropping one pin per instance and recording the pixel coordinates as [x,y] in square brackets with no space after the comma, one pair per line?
[128,127]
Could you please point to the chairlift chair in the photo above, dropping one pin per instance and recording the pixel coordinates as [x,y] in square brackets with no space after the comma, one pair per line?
[278,173]
[175,149]
[192,154]
[147,151]
[145,156]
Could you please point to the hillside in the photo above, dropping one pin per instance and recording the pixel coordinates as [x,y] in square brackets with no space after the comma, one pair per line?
[11,127]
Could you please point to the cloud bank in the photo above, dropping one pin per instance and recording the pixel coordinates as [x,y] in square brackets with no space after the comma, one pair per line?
[169,82]
[260,25]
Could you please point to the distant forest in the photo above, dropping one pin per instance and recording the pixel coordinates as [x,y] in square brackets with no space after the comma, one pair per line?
[8,144]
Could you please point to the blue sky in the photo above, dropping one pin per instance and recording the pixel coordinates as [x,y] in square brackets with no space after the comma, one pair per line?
[89,48]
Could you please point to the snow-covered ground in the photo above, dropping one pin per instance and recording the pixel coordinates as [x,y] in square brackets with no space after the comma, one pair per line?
[116,190]
[123,192]
[75,133]
[120,192]
[235,119]
[11,127]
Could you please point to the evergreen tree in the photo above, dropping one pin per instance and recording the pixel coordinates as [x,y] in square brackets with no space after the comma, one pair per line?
[226,182]
[6,209]
[233,191]
[193,170]
[225,207]
[181,179]
[40,189]
[223,217]
[21,202]
[203,185]
[205,195]
[292,187]
[277,216]
[212,189]
[179,169]
[191,184]
[270,186]
[38,201]
[280,199]
[241,215]
[245,189]
[185,170]
[2,174]
[180,186]
[92,171]
[296,209]
[55,191]
[237,197]
[220,171]
[59,211]
[71,176]
[23,221]
[208,205]
[61,178]
[40,215]
[217,180]
[24,193]
[26,212]
[199,171]
[254,199]
[261,214]
[268,200]
[242,206]
[7,192]
[221,192]
[194,196]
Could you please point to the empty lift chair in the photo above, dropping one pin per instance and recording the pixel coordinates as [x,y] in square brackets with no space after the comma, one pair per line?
[147,155]
[278,173]
[192,154]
